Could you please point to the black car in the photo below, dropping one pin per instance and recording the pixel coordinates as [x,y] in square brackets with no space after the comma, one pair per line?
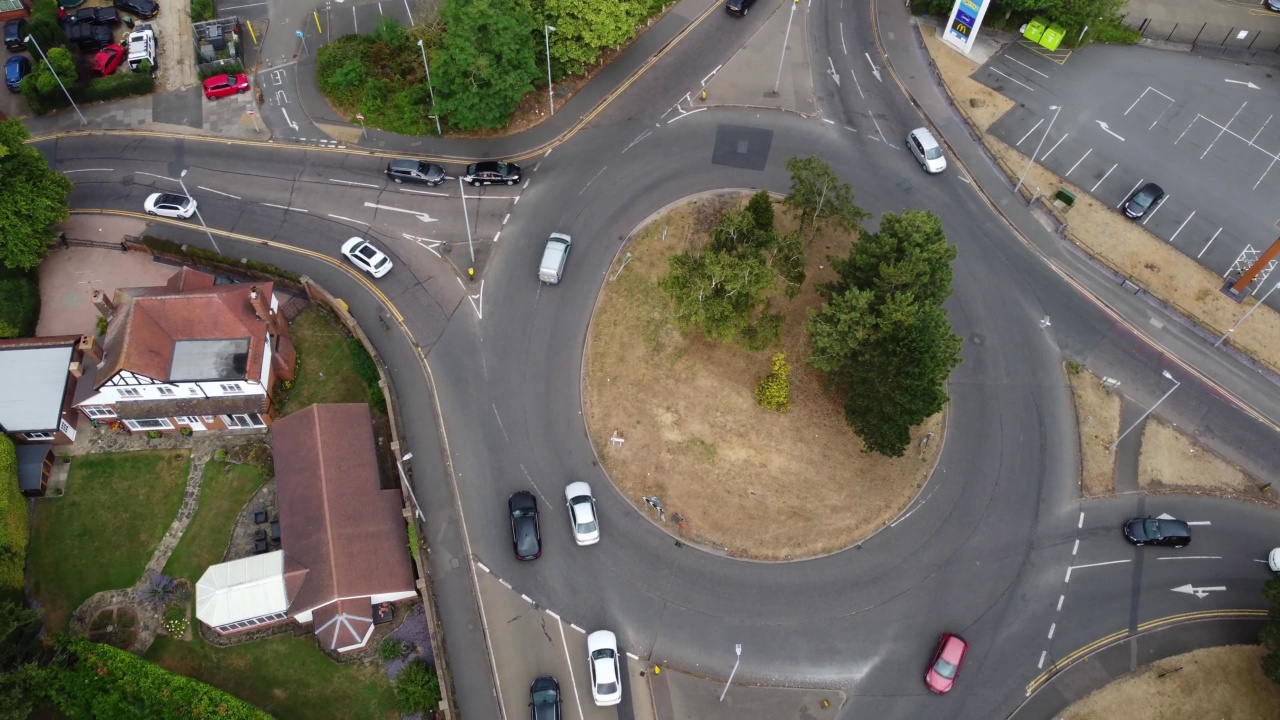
[1143,200]
[89,38]
[738,7]
[526,538]
[1157,531]
[92,16]
[415,171]
[544,699]
[491,173]
[15,35]
[145,9]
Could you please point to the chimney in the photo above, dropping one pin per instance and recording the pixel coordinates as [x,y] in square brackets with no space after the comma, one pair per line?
[259,305]
[90,348]
[105,307]
[76,369]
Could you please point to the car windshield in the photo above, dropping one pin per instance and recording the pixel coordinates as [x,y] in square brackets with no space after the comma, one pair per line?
[1143,198]
[544,697]
[945,669]
[1151,528]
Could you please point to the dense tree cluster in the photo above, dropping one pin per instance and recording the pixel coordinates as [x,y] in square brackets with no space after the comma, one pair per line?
[36,199]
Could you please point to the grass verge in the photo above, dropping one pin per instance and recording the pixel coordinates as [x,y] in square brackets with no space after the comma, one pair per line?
[1172,461]
[326,371]
[1098,415]
[286,676]
[100,535]
[225,489]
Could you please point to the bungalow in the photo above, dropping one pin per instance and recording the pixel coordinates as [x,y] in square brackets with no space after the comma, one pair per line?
[40,379]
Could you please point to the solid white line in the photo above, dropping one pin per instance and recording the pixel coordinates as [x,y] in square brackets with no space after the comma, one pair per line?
[1033,129]
[351,220]
[1104,177]
[1006,57]
[219,192]
[1055,147]
[857,84]
[1264,125]
[1126,195]
[1081,523]
[1041,663]
[686,114]
[1192,557]
[573,682]
[873,120]
[575,627]
[1052,627]
[1206,245]
[482,566]
[1109,562]
[633,656]
[842,45]
[102,169]
[1060,598]
[1075,548]
[282,207]
[1154,210]
[1261,561]
[406,9]
[1184,224]
[1264,173]
[1082,157]
[505,583]
[162,177]
[1013,79]
[710,75]
[421,192]
[527,598]
[1135,101]
[349,182]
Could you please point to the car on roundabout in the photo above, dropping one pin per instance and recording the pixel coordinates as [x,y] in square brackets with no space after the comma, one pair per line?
[492,173]
[526,537]
[170,205]
[606,670]
[544,699]
[946,662]
[584,523]
[1158,531]
[365,256]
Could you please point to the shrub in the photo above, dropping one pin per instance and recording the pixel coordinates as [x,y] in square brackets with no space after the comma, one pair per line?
[19,303]
[159,591]
[153,434]
[223,67]
[14,533]
[760,207]
[367,370]
[1113,33]
[413,538]
[390,649]
[417,689]
[175,620]
[339,64]
[119,85]
[202,10]
[102,326]
[774,391]
[1074,367]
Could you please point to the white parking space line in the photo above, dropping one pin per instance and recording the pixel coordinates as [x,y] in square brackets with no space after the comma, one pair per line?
[1104,177]
[219,192]
[1184,224]
[1033,129]
[1264,172]
[1126,195]
[1055,147]
[482,566]
[573,681]
[1264,126]
[505,584]
[1013,79]
[1192,557]
[1006,57]
[575,627]
[1206,245]
[522,595]
[1154,210]
[1082,157]
[1223,129]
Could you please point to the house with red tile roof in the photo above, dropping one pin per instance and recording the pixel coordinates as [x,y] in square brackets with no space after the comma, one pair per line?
[194,354]
[343,545]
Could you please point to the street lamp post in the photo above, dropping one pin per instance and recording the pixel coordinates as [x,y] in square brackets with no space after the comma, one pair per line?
[32,40]
[404,479]
[427,67]
[1246,315]
[738,650]
[786,37]
[198,215]
[551,95]
[462,190]
[1056,109]
[1138,422]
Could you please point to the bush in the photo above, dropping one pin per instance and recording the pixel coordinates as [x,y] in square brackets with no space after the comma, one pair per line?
[202,10]
[774,391]
[119,85]
[417,689]
[342,67]
[19,303]
[1113,33]
[367,369]
[222,67]
[14,533]
[390,649]
[413,538]
[213,259]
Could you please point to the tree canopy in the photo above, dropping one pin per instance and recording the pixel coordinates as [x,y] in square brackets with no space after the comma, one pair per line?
[485,62]
[817,193]
[584,28]
[882,337]
[35,201]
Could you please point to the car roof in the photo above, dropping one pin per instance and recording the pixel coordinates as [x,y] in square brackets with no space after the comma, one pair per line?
[953,648]
[924,136]
[1174,528]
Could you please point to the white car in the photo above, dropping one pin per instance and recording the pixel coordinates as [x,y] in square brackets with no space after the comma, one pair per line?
[583,520]
[366,257]
[606,673]
[1273,560]
[170,205]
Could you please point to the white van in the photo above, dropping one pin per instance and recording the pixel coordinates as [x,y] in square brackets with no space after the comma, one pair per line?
[553,258]
[928,152]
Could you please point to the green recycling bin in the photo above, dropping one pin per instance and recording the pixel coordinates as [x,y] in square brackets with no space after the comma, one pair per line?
[1035,29]
[1052,37]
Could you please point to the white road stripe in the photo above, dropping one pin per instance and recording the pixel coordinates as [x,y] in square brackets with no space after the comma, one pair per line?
[282,207]
[482,566]
[349,182]
[1033,129]
[552,614]
[575,627]
[1082,157]
[423,192]
[90,170]
[1184,224]
[505,584]
[527,598]
[219,192]
[1104,177]
[1192,557]
[350,220]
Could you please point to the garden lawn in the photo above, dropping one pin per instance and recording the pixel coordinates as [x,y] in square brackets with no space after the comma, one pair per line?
[225,490]
[321,344]
[100,535]
[286,676]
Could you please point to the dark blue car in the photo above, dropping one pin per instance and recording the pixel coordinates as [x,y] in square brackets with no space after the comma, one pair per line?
[16,68]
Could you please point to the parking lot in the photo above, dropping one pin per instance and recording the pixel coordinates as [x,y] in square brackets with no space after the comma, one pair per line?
[1110,119]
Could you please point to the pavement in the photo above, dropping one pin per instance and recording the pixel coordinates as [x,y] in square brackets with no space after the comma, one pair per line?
[749,77]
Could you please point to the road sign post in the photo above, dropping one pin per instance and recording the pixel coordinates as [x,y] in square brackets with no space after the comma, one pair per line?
[363,130]
[301,39]
[254,119]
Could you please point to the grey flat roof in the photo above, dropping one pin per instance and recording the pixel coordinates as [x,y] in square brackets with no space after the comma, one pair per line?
[209,360]
[34,382]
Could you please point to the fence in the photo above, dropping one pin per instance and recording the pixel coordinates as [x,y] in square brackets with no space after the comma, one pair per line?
[1236,43]
[67,242]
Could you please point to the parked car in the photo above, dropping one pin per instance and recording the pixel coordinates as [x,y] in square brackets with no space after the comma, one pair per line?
[142,48]
[366,257]
[15,35]
[415,171]
[107,60]
[170,205]
[1273,559]
[544,699]
[1143,200]
[606,670]
[1158,531]
[1273,5]
[738,7]
[92,16]
[554,256]
[526,537]
[583,521]
[491,173]
[220,86]
[16,68]
[924,146]
[88,37]
[946,663]
[145,9]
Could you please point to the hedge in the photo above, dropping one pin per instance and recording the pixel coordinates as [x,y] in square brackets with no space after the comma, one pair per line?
[19,303]
[101,682]
[367,369]
[118,85]
[14,532]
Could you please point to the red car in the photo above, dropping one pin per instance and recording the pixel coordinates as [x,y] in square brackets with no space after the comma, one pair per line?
[946,663]
[107,60]
[223,85]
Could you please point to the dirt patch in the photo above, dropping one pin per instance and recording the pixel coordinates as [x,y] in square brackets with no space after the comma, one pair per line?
[1098,415]
[1156,266]
[739,477]
[1222,682]
[1172,461]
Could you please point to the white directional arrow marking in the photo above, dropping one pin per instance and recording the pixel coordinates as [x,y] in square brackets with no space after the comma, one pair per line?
[1165,516]
[421,215]
[832,72]
[874,70]
[1199,592]
[1250,85]
[1108,130]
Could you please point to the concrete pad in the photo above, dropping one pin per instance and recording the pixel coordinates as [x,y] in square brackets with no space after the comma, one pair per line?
[678,696]
[748,78]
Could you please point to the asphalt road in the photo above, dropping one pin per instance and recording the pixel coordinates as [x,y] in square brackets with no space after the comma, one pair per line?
[986,550]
